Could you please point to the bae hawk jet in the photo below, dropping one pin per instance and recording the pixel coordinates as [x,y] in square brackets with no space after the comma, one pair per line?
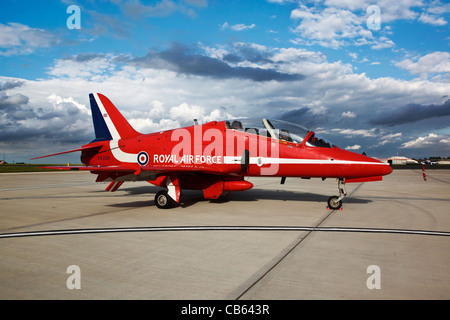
[215,157]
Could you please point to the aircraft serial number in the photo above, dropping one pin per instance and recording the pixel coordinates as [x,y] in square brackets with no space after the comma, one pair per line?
[102,157]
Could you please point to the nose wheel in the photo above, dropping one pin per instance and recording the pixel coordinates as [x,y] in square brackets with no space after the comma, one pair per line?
[335,202]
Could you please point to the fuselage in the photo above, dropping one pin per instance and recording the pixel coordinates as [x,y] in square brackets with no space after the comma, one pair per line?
[285,150]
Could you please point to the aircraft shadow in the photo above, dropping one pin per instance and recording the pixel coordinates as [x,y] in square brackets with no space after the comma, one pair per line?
[191,197]
[281,195]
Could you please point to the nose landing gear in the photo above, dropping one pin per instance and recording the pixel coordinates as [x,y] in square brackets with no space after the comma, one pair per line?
[335,202]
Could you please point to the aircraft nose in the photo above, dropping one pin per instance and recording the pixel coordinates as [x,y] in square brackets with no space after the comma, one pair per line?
[385,169]
[382,168]
[376,167]
[363,166]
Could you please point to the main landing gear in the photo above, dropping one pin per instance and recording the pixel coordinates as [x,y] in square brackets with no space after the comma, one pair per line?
[335,202]
[163,200]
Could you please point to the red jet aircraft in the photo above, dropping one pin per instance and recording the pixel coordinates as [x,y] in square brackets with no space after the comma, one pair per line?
[214,157]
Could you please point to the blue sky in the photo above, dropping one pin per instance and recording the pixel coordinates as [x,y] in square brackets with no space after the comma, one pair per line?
[317,63]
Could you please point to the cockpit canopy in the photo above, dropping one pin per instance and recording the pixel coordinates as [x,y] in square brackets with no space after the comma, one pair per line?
[280,130]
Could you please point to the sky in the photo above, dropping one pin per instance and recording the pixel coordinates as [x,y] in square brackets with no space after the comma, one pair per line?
[372,76]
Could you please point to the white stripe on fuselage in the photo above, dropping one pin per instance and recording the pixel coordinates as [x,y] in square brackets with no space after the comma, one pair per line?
[268,160]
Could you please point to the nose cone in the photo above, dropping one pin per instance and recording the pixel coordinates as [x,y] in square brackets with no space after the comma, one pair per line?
[375,166]
[361,166]
[385,168]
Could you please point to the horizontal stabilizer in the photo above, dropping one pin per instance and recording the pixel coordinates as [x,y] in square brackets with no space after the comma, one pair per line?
[68,151]
[92,168]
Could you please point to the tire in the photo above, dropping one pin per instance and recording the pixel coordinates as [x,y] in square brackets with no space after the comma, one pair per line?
[163,200]
[333,204]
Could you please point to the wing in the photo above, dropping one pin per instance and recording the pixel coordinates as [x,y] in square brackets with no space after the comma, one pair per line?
[93,168]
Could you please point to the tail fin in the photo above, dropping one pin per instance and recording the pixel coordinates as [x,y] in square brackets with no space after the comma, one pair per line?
[109,123]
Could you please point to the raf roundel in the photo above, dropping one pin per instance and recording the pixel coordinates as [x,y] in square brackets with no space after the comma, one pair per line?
[142,158]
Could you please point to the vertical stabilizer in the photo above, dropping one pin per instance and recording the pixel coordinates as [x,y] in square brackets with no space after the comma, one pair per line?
[109,123]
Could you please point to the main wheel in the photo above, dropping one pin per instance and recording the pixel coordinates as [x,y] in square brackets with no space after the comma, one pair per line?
[333,203]
[163,200]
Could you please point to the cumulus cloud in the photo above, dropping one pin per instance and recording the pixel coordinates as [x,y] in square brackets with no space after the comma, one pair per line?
[92,66]
[14,108]
[374,132]
[21,122]
[433,13]
[59,103]
[436,143]
[331,27]
[436,62]
[338,23]
[354,147]
[160,118]
[348,114]
[343,23]
[432,19]
[391,10]
[390,138]
[237,27]
[20,39]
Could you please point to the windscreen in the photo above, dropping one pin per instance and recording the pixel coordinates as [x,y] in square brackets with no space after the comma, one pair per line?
[318,141]
[278,129]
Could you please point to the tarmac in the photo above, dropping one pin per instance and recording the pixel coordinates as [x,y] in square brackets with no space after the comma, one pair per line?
[276,242]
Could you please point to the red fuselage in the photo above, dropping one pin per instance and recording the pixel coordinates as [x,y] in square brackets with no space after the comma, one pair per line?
[213,147]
